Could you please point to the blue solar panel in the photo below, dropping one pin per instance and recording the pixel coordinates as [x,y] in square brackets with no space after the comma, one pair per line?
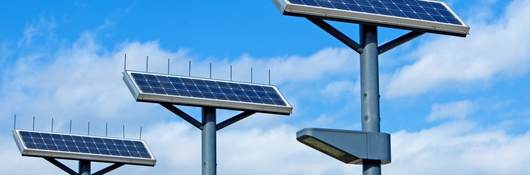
[207,89]
[84,145]
[412,9]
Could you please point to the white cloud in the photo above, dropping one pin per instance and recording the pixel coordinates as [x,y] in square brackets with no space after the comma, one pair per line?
[455,110]
[41,29]
[341,89]
[493,49]
[457,148]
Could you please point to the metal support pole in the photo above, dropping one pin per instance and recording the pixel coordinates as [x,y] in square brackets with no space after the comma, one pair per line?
[84,167]
[370,89]
[209,162]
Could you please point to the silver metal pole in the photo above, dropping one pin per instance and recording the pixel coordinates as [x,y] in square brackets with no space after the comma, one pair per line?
[52,125]
[123,131]
[209,162]
[269,77]
[147,64]
[33,123]
[140,133]
[125,62]
[106,129]
[370,89]
[84,167]
[15,122]
[189,68]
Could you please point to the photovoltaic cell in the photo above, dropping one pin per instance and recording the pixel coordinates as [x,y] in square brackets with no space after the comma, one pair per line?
[84,145]
[206,92]
[413,9]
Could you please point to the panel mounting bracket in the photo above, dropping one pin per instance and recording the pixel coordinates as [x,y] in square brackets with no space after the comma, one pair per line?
[337,34]
[234,119]
[183,115]
[355,45]
[61,166]
[400,40]
[72,172]
[108,169]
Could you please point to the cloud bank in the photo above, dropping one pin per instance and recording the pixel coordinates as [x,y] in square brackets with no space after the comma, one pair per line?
[493,49]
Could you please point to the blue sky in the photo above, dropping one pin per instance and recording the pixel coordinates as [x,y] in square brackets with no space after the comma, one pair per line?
[64,59]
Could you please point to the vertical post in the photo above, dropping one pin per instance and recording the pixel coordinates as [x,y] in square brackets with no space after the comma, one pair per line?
[123,131]
[251,75]
[189,69]
[125,62]
[106,129]
[370,90]
[210,70]
[269,77]
[140,137]
[84,167]
[15,122]
[168,66]
[70,131]
[88,129]
[147,64]
[33,123]
[230,72]
[52,126]
[209,163]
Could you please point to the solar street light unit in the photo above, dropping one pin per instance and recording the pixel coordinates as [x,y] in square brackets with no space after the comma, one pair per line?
[210,95]
[370,147]
[428,15]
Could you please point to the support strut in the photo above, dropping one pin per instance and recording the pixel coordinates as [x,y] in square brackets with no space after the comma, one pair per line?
[61,166]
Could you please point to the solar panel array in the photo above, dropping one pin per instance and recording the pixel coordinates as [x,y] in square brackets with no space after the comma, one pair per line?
[84,145]
[207,89]
[413,9]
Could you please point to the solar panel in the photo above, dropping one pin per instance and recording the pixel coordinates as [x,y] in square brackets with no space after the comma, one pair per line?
[150,87]
[66,146]
[433,16]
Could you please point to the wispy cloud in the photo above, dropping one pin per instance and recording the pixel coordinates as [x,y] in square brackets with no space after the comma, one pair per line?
[42,30]
[453,110]
[494,48]
[341,89]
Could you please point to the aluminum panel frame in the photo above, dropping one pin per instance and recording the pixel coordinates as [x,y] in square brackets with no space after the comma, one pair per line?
[288,8]
[200,102]
[82,156]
